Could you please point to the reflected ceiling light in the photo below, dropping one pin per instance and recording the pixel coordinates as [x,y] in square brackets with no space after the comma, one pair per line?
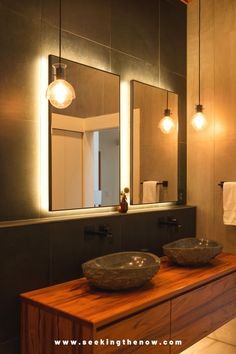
[167,124]
[199,120]
[60,92]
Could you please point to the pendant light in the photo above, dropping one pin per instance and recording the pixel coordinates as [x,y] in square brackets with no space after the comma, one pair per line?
[167,124]
[199,120]
[60,93]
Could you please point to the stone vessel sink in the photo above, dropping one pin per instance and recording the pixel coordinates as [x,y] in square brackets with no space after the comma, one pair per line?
[192,251]
[122,270]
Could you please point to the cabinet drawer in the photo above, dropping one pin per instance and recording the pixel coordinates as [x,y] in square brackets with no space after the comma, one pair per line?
[199,312]
[153,323]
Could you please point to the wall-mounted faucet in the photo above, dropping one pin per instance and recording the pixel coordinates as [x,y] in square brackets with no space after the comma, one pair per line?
[102,231]
[171,222]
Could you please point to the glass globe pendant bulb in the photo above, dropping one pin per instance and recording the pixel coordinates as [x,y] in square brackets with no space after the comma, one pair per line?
[60,92]
[166,124]
[199,120]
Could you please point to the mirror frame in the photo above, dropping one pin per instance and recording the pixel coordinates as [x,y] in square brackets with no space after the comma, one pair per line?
[180,191]
[51,58]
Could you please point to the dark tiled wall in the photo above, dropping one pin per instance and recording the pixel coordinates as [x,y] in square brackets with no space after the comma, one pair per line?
[36,256]
[142,40]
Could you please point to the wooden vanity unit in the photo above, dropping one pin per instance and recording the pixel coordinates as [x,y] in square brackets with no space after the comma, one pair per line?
[178,304]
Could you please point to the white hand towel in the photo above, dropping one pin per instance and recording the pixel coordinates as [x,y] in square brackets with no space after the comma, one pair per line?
[151,192]
[229,203]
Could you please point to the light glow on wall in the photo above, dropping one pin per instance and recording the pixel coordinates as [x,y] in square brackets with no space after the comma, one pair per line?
[44,135]
[125,135]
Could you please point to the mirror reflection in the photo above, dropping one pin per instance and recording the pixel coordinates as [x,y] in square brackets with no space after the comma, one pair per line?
[154,136]
[84,141]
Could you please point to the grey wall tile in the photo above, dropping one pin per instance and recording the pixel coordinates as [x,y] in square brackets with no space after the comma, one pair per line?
[67,251]
[75,48]
[24,255]
[141,233]
[70,247]
[19,168]
[96,245]
[86,18]
[10,347]
[19,69]
[173,33]
[31,9]
[145,233]
[134,28]
[186,218]
[130,68]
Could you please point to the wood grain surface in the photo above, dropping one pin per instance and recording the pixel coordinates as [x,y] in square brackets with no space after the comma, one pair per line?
[78,300]
[39,329]
[200,312]
[147,325]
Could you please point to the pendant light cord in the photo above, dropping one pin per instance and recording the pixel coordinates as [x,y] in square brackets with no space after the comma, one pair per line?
[167,100]
[199,51]
[59,31]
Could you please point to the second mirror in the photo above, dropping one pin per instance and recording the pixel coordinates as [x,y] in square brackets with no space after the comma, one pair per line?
[154,142]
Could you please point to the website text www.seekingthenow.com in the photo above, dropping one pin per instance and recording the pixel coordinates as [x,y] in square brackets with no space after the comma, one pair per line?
[117,342]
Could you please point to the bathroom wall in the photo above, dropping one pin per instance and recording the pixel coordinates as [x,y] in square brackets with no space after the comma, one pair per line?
[129,38]
[211,156]
[211,152]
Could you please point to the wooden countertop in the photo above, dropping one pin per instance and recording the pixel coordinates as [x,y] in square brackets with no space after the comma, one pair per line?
[77,299]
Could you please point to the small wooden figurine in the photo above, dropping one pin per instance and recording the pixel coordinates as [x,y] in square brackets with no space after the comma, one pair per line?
[123,207]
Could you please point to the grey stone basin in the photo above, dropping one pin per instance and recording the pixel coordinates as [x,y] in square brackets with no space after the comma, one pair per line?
[121,270]
[192,251]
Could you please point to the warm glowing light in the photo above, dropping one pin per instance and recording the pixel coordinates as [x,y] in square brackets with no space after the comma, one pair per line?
[199,120]
[166,124]
[124,134]
[60,92]
[43,135]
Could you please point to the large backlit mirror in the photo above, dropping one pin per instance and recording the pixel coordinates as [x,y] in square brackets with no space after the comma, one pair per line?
[154,166]
[84,141]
